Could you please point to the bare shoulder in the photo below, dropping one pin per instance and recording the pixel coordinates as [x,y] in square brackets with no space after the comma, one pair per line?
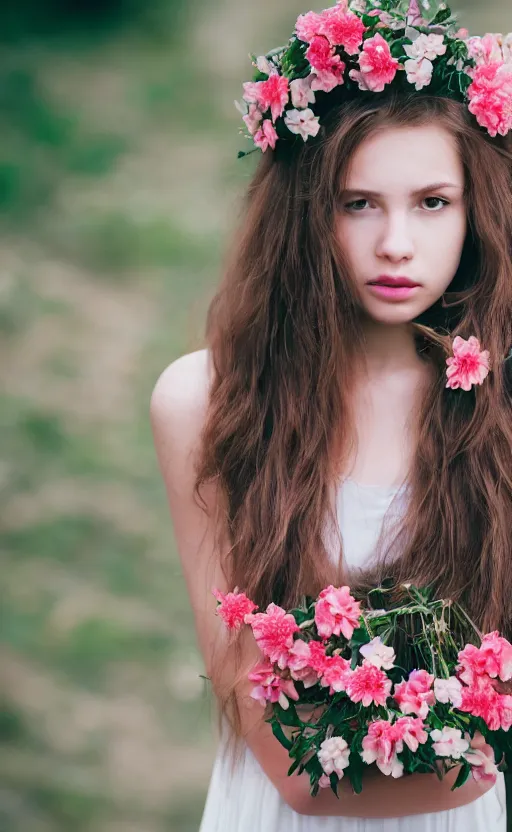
[180,396]
[178,409]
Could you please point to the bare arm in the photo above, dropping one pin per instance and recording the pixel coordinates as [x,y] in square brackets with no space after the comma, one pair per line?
[178,410]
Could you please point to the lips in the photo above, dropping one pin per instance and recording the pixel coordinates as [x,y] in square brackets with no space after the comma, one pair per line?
[393,282]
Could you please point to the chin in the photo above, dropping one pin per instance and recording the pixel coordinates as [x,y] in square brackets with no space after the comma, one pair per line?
[395,316]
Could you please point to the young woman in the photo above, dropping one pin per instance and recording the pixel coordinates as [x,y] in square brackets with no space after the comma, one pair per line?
[320,437]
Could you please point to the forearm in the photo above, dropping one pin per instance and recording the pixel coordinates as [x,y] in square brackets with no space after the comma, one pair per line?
[385,797]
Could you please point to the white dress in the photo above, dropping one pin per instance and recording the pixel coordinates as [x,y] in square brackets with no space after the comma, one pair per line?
[248,802]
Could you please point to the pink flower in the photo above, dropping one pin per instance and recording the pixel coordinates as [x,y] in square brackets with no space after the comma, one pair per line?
[299,658]
[380,746]
[336,674]
[334,755]
[414,17]
[273,631]
[469,365]
[482,700]
[266,136]
[318,661]
[302,94]
[321,55]
[474,662]
[415,696]
[253,119]
[233,607]
[493,657]
[410,730]
[482,762]
[490,99]
[274,95]
[449,743]
[270,687]
[302,122]
[378,654]
[252,92]
[368,684]
[328,80]
[343,28]
[487,49]
[419,72]
[448,690]
[499,652]
[309,26]
[378,67]
[324,781]
[336,612]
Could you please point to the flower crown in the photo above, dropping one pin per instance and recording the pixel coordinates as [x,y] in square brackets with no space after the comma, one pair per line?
[365,46]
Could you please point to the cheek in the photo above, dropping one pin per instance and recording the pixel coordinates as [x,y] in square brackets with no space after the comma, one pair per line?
[354,239]
[444,246]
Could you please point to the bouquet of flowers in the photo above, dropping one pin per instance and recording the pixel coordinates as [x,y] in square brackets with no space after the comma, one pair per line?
[402,686]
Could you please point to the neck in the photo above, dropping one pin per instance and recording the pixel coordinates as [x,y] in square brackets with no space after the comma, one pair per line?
[388,348]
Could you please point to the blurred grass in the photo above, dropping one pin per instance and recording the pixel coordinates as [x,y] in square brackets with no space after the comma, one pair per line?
[119,185]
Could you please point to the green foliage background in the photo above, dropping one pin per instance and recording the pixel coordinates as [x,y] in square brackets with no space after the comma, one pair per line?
[119,187]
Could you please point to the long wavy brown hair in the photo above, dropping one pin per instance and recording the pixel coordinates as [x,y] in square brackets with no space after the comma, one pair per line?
[283,331]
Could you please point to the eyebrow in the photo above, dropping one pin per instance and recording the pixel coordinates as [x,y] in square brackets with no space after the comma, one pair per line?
[435,186]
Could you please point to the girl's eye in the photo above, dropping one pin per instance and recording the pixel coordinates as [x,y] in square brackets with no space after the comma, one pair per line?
[434,203]
[356,205]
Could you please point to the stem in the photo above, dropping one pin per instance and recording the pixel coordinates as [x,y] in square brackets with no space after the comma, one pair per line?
[432,654]
[458,608]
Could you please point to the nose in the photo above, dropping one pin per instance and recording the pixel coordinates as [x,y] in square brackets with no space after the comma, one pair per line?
[395,242]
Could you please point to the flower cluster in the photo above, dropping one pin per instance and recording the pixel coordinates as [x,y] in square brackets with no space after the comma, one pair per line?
[468,366]
[330,656]
[366,46]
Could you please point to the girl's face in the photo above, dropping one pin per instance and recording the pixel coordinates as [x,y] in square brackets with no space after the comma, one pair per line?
[402,214]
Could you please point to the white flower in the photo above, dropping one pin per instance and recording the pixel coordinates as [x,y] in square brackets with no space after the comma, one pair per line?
[449,743]
[265,66]
[358,6]
[302,122]
[448,690]
[301,91]
[333,755]
[507,49]
[426,46]
[378,654]
[419,72]
[242,107]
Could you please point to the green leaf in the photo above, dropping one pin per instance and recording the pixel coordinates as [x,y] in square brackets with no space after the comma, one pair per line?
[294,766]
[280,735]
[442,15]
[287,717]
[334,784]
[431,9]
[463,775]
[359,637]
[355,772]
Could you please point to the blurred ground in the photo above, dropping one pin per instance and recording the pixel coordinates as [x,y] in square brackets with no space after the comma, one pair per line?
[118,189]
